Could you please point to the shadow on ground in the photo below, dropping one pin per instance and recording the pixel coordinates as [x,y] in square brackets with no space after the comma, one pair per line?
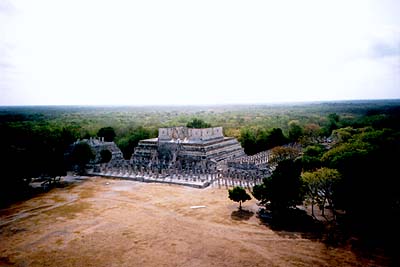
[296,223]
[241,215]
[293,220]
[10,195]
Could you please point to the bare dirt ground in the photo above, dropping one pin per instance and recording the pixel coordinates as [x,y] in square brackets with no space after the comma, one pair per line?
[104,222]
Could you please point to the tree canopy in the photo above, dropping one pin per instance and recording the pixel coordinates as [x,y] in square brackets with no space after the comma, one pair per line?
[295,131]
[29,151]
[283,189]
[257,140]
[81,155]
[198,123]
[280,153]
[108,133]
[238,194]
[128,143]
[358,176]
[311,158]
[320,187]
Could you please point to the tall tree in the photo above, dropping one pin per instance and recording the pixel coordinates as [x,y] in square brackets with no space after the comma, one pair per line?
[238,194]
[283,189]
[321,185]
[312,131]
[311,158]
[333,123]
[295,131]
[128,143]
[248,141]
[276,138]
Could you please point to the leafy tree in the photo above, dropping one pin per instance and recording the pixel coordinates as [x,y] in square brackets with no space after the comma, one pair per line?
[321,185]
[198,123]
[261,193]
[128,144]
[238,194]
[105,156]
[108,133]
[312,130]
[311,158]
[283,189]
[295,131]
[32,150]
[311,134]
[333,123]
[276,138]
[248,141]
[343,134]
[280,153]
[262,140]
[333,117]
[367,161]
[257,140]
[314,150]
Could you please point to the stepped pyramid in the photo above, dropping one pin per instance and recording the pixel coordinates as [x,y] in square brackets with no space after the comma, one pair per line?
[187,147]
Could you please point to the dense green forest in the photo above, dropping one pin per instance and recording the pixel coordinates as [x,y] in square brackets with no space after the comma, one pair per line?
[355,175]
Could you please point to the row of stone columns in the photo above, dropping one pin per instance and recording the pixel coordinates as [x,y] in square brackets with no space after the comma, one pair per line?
[227,178]
[248,162]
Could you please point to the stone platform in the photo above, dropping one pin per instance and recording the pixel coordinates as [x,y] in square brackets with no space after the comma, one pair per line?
[181,180]
[188,148]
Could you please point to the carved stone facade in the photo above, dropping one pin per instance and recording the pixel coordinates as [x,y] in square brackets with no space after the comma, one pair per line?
[187,135]
[187,148]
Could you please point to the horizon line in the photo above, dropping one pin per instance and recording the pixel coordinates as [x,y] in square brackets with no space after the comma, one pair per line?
[205,105]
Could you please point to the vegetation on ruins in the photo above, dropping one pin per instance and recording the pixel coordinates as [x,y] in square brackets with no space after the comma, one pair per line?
[80,155]
[108,133]
[238,194]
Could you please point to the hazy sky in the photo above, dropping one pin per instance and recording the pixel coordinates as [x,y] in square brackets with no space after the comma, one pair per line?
[197,52]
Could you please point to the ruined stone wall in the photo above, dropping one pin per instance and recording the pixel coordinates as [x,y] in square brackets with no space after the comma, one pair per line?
[205,134]
[98,144]
[165,134]
[182,133]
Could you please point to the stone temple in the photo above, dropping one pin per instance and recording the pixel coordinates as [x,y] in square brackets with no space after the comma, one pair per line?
[183,147]
[183,156]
